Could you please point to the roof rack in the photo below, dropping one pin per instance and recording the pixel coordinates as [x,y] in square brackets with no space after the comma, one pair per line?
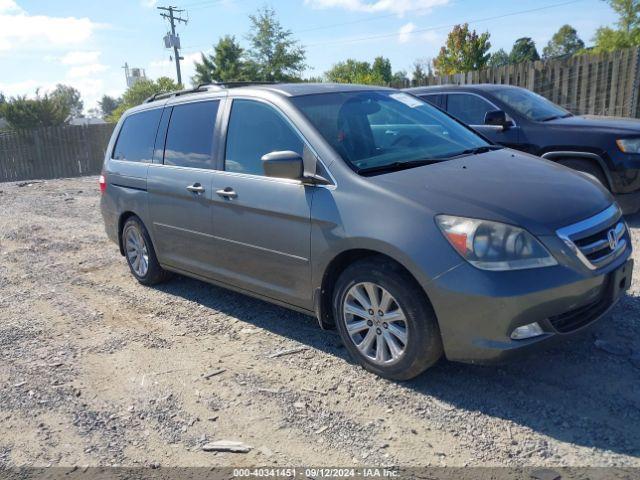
[204,87]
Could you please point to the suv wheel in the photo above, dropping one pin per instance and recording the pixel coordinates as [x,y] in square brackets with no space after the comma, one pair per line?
[385,320]
[140,254]
[587,167]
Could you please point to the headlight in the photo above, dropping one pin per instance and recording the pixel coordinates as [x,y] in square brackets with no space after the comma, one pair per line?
[494,246]
[629,145]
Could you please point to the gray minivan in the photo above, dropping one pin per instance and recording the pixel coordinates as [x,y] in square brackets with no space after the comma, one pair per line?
[370,209]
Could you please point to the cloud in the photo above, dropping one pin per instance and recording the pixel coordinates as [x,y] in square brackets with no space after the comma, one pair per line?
[147,3]
[404,34]
[399,7]
[167,68]
[9,6]
[23,31]
[80,57]
[83,71]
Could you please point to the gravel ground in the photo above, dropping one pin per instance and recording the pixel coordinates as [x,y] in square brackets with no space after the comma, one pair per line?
[96,369]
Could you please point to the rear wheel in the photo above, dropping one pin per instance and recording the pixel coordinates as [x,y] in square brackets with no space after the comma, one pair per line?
[140,254]
[587,167]
[385,319]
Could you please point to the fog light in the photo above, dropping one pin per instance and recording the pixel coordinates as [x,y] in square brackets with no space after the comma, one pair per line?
[527,331]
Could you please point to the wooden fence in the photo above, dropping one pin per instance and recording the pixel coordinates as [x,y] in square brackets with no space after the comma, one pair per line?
[53,152]
[603,84]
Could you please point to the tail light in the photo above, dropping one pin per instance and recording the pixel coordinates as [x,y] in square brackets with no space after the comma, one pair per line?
[102,181]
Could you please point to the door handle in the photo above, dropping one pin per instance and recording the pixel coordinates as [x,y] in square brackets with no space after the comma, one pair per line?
[196,188]
[227,192]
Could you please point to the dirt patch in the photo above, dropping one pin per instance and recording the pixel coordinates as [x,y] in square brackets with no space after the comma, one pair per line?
[96,369]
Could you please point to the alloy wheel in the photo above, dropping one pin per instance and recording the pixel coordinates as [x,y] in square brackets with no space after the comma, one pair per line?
[375,323]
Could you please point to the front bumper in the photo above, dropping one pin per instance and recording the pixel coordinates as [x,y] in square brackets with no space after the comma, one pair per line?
[478,310]
[629,202]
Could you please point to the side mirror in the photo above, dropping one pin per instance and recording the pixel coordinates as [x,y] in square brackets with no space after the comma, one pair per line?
[284,164]
[497,118]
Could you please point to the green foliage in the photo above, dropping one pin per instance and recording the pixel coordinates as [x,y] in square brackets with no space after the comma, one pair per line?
[628,12]
[499,58]
[421,70]
[464,51]
[42,111]
[226,64]
[274,55]
[381,70]
[564,42]
[70,97]
[108,105]
[524,50]
[140,91]
[350,71]
[364,73]
[627,35]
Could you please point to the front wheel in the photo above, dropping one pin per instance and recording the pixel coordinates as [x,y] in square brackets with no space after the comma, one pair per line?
[385,319]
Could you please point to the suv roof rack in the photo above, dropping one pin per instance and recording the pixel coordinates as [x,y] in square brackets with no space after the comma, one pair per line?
[204,87]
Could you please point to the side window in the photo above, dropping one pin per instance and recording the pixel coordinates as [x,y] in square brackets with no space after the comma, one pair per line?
[190,135]
[437,100]
[469,109]
[256,129]
[137,137]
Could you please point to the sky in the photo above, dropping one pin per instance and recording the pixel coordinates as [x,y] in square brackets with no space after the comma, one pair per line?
[85,43]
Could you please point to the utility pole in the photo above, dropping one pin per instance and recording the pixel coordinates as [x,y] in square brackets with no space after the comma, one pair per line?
[173,40]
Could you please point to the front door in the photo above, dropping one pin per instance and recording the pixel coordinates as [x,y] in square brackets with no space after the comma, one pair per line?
[471,109]
[261,224]
[180,188]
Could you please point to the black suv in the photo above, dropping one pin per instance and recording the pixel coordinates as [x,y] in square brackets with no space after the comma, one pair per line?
[606,148]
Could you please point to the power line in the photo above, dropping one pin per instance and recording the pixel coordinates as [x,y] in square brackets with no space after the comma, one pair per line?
[420,30]
[173,40]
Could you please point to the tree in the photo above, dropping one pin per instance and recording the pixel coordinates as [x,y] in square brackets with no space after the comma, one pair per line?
[108,104]
[274,54]
[140,91]
[627,34]
[400,79]
[464,51]
[499,58]
[70,97]
[226,64]
[564,42]
[42,111]
[422,68]
[381,71]
[628,12]
[351,71]
[524,50]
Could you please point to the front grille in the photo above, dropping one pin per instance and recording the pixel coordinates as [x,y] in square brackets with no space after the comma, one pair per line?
[598,240]
[584,315]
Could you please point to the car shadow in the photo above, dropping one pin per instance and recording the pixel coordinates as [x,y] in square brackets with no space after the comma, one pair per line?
[576,392]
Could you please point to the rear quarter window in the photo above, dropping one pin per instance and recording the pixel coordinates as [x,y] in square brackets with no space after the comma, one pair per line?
[137,137]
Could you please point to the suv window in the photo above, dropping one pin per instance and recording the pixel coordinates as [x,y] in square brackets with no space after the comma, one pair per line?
[434,99]
[190,135]
[467,108]
[256,129]
[137,137]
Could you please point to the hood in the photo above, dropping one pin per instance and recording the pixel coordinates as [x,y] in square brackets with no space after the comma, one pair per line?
[596,122]
[503,185]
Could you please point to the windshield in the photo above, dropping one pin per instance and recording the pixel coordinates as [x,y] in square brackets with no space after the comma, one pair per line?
[374,130]
[531,105]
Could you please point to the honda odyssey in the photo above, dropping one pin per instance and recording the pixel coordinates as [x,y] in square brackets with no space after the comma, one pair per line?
[370,209]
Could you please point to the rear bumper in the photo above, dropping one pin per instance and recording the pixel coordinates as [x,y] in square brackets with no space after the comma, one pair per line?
[477,311]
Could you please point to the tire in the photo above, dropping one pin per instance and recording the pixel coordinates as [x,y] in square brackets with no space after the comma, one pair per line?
[423,344]
[590,168]
[137,244]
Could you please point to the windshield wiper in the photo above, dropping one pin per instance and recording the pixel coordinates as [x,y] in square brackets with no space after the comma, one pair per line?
[555,117]
[395,166]
[476,150]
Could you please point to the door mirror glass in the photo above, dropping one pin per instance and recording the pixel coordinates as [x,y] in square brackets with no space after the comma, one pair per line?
[497,118]
[283,164]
